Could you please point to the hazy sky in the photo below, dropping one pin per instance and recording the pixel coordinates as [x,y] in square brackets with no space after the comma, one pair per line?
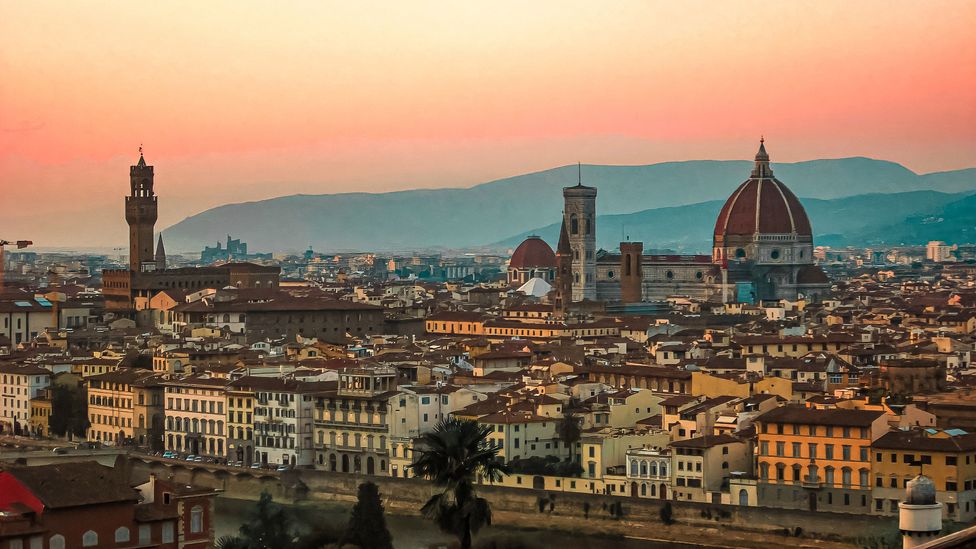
[240,101]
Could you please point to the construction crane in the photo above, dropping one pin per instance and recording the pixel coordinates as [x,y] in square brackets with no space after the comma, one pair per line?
[21,244]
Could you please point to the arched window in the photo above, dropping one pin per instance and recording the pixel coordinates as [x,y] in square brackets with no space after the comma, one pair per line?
[829,475]
[764,471]
[196,520]
[121,534]
[780,472]
[845,476]
[863,474]
[573,224]
[56,542]
[89,539]
[634,468]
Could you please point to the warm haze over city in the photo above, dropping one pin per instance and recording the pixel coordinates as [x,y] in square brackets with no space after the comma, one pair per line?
[435,274]
[245,101]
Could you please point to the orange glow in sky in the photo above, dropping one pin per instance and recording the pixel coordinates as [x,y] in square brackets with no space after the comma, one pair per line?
[239,101]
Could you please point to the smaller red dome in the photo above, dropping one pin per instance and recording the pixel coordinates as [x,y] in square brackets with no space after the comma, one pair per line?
[533,253]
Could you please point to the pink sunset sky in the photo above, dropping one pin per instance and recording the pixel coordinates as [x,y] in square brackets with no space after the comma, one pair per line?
[238,101]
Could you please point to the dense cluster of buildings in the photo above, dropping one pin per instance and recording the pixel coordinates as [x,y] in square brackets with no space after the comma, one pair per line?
[747,377]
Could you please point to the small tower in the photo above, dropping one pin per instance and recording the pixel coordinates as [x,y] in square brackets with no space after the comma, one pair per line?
[160,254]
[631,273]
[579,215]
[919,516]
[140,214]
[564,272]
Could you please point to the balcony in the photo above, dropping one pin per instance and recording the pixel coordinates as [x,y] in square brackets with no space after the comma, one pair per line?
[349,425]
[814,482]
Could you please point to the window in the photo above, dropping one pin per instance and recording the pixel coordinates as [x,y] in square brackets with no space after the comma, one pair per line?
[89,539]
[950,460]
[167,532]
[121,534]
[196,520]
[145,534]
[56,542]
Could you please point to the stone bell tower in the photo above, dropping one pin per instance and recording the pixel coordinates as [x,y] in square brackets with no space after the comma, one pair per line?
[140,214]
[579,215]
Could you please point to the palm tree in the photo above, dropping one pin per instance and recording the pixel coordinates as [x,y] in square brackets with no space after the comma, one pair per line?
[452,456]
[568,429]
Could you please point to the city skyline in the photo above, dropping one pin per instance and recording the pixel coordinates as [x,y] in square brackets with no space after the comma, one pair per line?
[325,98]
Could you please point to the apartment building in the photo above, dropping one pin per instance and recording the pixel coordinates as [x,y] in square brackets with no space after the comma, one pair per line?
[196,415]
[351,421]
[19,384]
[817,459]
[125,406]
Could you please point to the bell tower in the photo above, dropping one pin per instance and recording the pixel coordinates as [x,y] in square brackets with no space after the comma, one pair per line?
[579,215]
[140,214]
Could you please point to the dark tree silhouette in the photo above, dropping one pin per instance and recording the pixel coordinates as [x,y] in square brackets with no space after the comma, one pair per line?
[453,455]
[69,411]
[367,525]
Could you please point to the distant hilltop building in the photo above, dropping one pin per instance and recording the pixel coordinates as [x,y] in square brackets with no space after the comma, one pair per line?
[939,252]
[763,251]
[234,251]
[128,291]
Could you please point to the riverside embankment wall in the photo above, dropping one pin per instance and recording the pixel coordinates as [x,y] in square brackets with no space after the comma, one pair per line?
[408,495]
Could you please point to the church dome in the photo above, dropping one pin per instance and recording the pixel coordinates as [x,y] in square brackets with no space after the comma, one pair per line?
[762,205]
[533,252]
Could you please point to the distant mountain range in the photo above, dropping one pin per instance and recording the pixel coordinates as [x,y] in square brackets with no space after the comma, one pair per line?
[683,199]
[894,218]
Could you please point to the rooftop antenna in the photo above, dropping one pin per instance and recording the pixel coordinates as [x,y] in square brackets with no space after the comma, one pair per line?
[579,173]
[140,149]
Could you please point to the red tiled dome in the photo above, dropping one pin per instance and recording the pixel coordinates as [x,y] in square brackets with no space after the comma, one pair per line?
[763,204]
[533,253]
